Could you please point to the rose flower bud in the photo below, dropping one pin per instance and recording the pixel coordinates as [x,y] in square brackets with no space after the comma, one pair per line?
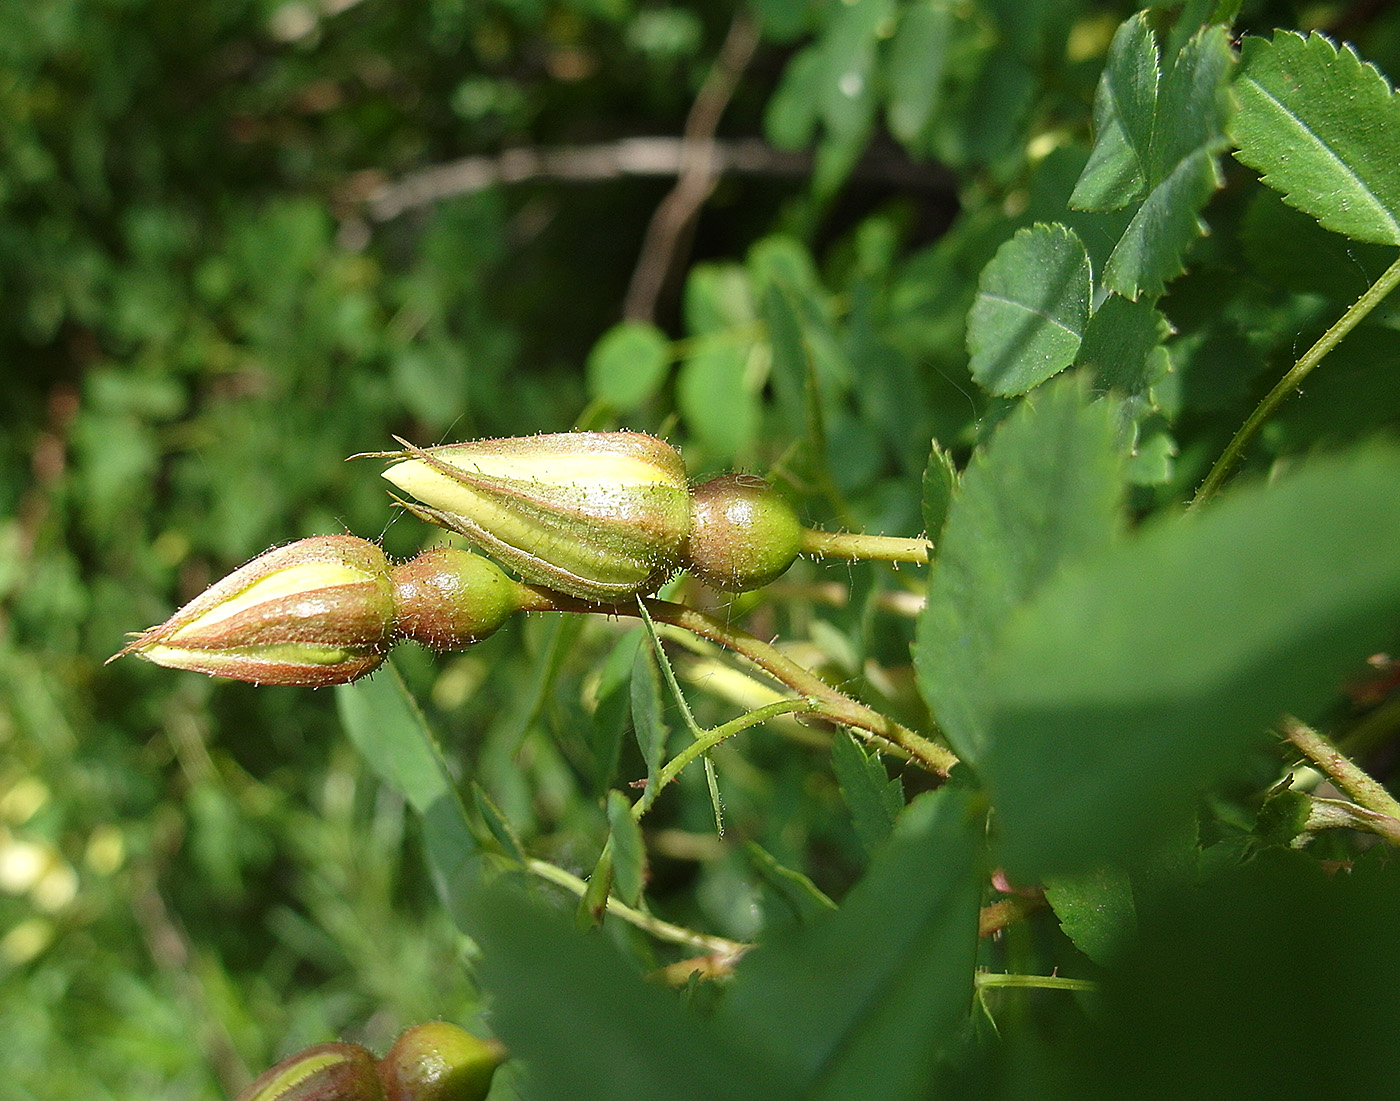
[438,1061]
[326,1072]
[743,533]
[315,612]
[602,516]
[448,599]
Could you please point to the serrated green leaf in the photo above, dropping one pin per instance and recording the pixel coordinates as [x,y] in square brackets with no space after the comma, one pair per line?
[1150,251]
[628,849]
[1044,492]
[875,798]
[590,1027]
[940,482]
[628,365]
[1138,678]
[1095,910]
[647,721]
[1125,111]
[1165,156]
[891,970]
[803,897]
[1319,125]
[1122,344]
[1032,305]
[384,722]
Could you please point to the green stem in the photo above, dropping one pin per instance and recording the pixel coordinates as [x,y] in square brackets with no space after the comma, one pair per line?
[1344,772]
[662,930]
[1293,379]
[826,701]
[985,979]
[707,741]
[861,547]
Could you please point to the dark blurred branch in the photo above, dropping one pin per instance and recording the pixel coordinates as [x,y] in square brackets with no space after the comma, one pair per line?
[673,221]
[576,164]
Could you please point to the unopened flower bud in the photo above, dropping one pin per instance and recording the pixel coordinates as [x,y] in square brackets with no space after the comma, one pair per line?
[602,516]
[326,1072]
[448,599]
[315,612]
[438,1061]
[743,533]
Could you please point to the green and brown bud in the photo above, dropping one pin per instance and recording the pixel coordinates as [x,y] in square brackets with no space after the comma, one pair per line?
[743,533]
[602,516]
[448,599]
[315,612]
[438,1061]
[326,1072]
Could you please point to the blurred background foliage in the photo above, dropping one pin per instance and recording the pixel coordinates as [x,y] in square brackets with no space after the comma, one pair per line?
[204,313]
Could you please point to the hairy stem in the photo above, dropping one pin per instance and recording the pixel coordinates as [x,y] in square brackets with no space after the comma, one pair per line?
[1293,379]
[707,741]
[996,916]
[987,979]
[826,701]
[729,950]
[1344,772]
[862,547]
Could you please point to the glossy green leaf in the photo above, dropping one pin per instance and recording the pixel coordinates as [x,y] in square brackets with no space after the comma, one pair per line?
[1123,346]
[890,971]
[1158,135]
[1096,911]
[1044,492]
[1140,677]
[386,726]
[874,797]
[1319,126]
[629,851]
[1125,113]
[1032,305]
[628,365]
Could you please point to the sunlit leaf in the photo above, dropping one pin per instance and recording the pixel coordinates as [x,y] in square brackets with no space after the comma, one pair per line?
[1032,305]
[1319,125]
